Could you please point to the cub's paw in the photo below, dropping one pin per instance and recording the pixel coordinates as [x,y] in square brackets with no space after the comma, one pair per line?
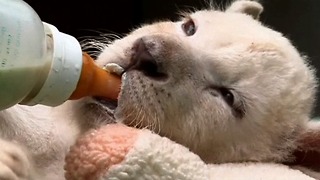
[14,162]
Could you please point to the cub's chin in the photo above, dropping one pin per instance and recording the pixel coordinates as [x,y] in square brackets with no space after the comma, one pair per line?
[107,104]
[96,111]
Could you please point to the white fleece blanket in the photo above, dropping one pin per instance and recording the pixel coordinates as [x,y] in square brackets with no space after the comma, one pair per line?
[117,152]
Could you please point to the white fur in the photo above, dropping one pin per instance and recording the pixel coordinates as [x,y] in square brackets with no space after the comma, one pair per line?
[269,79]
[229,49]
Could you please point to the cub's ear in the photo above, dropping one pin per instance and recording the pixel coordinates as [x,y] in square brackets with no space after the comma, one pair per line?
[307,153]
[251,8]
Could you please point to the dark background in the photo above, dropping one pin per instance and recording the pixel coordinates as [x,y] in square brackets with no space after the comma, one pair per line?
[298,20]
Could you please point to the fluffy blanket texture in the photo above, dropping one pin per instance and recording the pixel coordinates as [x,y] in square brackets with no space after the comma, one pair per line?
[118,152]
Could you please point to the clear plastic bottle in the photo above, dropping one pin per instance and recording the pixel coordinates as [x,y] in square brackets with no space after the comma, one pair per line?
[40,65]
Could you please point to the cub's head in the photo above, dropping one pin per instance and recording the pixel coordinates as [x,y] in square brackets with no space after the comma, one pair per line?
[218,82]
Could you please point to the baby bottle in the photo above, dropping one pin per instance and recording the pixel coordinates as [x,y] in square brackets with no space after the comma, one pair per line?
[40,65]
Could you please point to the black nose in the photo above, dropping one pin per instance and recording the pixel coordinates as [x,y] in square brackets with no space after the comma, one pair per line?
[143,60]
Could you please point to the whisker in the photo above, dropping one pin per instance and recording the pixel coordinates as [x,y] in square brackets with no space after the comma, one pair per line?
[133,120]
[153,122]
[137,119]
[159,125]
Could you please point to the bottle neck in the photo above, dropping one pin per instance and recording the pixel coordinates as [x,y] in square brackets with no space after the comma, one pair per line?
[45,68]
[62,76]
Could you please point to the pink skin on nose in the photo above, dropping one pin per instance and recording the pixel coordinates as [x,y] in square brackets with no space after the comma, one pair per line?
[95,152]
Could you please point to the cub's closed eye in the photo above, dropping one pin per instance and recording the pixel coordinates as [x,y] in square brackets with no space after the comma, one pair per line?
[231,98]
[227,95]
[188,27]
[234,101]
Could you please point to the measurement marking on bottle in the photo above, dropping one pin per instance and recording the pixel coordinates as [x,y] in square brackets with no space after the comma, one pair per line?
[3,62]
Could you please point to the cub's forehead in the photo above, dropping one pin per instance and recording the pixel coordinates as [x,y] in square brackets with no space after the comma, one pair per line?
[226,26]
[238,8]
[217,16]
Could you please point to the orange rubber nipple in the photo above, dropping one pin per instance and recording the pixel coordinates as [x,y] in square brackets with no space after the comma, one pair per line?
[94,81]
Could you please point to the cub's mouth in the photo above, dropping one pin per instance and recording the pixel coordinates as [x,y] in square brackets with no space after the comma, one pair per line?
[110,104]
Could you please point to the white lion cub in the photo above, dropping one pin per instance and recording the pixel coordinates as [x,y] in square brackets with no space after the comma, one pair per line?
[218,82]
